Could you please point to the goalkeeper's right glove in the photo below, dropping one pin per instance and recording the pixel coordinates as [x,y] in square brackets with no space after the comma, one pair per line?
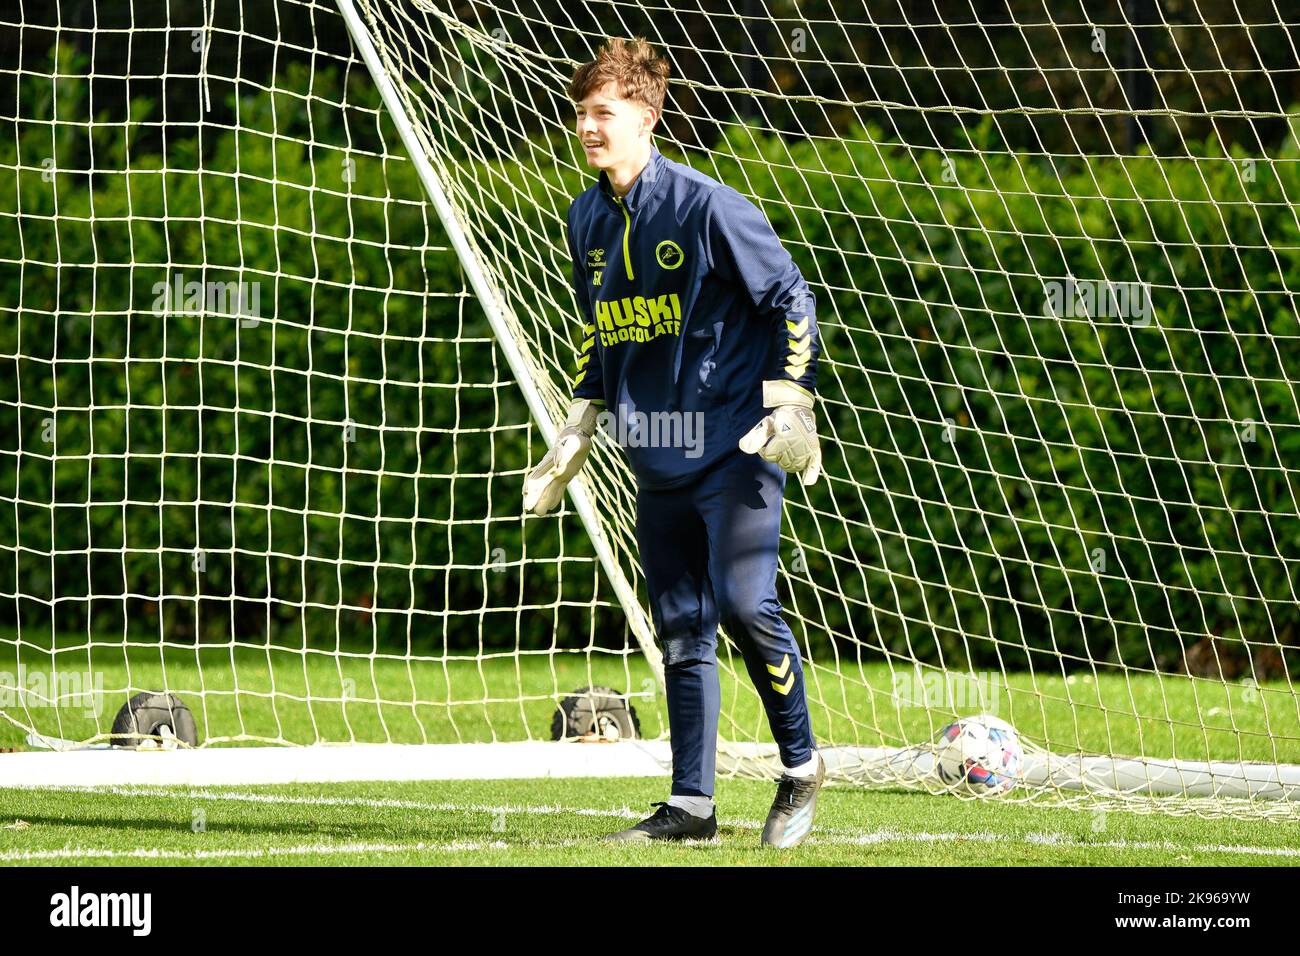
[789,435]
[544,486]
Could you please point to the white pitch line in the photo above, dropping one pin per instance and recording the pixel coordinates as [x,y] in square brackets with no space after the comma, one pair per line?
[462,846]
[356,849]
[1051,839]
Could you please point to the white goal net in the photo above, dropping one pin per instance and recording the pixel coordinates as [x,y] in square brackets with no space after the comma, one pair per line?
[287,316]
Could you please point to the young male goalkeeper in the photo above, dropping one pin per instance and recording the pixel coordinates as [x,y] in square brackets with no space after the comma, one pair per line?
[692,307]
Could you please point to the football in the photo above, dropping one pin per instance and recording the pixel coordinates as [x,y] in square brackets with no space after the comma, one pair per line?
[979,755]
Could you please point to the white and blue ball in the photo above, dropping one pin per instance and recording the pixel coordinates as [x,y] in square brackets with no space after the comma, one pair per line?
[979,755]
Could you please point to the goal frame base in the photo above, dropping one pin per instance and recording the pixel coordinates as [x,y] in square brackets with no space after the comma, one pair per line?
[539,759]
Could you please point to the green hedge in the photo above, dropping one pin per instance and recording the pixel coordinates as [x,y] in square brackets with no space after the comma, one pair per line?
[986,450]
[1068,435]
[233,437]
[1011,485]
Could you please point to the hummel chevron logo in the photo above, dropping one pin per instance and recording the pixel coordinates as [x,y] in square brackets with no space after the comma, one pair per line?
[780,672]
[800,349]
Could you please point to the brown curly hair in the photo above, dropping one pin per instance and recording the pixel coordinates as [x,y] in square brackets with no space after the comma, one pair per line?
[640,72]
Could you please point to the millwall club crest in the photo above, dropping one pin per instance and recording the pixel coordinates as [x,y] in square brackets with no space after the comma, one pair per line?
[669,255]
[595,258]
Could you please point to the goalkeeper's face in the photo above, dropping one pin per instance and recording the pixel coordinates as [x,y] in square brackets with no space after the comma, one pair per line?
[613,131]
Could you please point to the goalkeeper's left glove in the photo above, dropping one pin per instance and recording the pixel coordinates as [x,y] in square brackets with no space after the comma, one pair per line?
[545,484]
[789,435]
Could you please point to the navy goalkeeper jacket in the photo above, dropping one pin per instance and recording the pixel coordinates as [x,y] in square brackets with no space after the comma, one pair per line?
[689,303]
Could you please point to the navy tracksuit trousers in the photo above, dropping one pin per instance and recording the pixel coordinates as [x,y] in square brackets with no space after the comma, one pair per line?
[709,553]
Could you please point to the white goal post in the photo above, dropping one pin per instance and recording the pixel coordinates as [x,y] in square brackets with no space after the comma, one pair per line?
[286,318]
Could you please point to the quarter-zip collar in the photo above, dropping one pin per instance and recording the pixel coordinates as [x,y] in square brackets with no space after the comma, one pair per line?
[642,189]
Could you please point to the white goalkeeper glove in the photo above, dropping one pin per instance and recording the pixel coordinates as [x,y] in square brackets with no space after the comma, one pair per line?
[544,486]
[788,436]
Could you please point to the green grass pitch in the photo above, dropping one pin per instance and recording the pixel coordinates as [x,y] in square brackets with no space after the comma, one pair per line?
[283,694]
[560,822]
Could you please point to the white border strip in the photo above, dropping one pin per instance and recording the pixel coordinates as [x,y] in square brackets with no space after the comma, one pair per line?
[336,764]
[537,759]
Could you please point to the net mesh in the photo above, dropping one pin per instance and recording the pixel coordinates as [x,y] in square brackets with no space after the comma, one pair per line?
[1052,252]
